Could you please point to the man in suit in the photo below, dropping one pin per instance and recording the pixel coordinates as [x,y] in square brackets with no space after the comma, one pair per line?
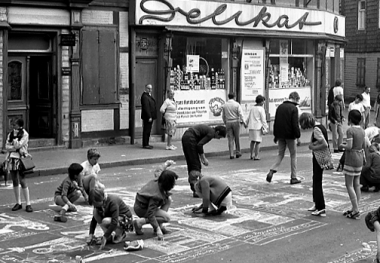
[148,114]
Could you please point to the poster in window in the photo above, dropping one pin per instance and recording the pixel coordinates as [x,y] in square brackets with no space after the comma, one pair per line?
[252,73]
[192,63]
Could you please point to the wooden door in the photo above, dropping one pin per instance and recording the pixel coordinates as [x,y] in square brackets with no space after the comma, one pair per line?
[41,97]
[17,99]
[146,73]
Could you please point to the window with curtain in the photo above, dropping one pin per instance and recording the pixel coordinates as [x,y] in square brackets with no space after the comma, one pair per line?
[361,15]
[360,72]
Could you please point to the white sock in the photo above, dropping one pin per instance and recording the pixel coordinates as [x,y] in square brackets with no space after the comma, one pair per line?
[16,190]
[26,195]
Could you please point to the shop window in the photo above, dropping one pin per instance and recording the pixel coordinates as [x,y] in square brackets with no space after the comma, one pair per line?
[99,69]
[14,80]
[378,73]
[361,15]
[360,72]
[29,41]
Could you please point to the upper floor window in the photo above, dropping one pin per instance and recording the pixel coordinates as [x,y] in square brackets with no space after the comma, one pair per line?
[360,72]
[361,15]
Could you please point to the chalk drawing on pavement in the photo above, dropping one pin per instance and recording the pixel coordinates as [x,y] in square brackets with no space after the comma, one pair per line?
[358,255]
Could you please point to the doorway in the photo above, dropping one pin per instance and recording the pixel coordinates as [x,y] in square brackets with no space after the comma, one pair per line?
[32,94]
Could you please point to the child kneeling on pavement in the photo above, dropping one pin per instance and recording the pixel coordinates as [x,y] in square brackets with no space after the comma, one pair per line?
[152,203]
[112,214]
[69,192]
[372,220]
[216,194]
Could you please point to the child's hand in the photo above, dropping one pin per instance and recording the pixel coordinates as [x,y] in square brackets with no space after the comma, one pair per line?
[75,184]
[103,243]
[169,163]
[89,239]
[160,236]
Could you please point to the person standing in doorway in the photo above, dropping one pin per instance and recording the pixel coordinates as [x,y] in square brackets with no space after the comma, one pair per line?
[286,130]
[148,114]
[17,147]
[232,116]
[367,105]
[193,141]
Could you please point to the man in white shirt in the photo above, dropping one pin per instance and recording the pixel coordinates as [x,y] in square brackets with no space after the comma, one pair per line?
[338,90]
[232,116]
[367,105]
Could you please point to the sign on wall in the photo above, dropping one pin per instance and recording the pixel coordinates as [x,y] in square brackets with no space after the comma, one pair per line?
[252,73]
[199,105]
[278,96]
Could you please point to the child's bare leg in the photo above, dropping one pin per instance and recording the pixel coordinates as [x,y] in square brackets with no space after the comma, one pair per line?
[376,224]
[351,193]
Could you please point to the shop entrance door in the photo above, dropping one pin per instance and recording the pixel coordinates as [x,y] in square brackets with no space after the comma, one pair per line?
[31,94]
[146,73]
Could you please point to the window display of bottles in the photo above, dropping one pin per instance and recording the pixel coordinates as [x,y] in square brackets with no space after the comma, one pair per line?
[181,80]
[296,78]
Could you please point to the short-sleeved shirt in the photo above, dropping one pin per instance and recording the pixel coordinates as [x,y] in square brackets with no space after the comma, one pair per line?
[89,169]
[356,106]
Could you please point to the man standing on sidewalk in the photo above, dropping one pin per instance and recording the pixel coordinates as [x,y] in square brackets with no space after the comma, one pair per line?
[286,130]
[232,115]
[148,114]
[367,105]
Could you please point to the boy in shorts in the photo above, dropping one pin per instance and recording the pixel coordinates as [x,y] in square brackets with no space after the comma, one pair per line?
[69,192]
[91,169]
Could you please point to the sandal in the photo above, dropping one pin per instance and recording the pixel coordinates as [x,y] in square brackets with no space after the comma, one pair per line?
[354,215]
[256,158]
[347,212]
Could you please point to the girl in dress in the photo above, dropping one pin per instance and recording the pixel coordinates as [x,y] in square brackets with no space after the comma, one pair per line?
[169,111]
[354,161]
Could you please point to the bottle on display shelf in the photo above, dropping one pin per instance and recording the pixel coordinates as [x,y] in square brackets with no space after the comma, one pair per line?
[216,80]
[196,82]
[212,79]
[191,80]
[208,83]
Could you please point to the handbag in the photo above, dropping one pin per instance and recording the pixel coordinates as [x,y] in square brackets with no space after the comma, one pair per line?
[324,158]
[26,164]
[264,130]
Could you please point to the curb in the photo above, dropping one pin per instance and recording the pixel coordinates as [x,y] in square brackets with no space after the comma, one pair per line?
[63,170]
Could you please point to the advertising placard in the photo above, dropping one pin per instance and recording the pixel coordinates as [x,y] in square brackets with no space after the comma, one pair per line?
[252,73]
[192,63]
[197,106]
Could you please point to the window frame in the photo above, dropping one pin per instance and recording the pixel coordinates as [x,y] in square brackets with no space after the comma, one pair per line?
[360,72]
[362,15]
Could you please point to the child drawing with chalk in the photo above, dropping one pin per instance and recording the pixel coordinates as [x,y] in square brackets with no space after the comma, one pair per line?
[153,201]
[215,193]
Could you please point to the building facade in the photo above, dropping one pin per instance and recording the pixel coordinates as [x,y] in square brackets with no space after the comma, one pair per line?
[363,47]
[64,70]
[206,49]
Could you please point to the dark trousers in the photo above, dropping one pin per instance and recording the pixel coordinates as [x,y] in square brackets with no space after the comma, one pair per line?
[368,179]
[318,197]
[189,147]
[147,127]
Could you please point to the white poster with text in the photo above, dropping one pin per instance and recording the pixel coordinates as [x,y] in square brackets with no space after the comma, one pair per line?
[252,74]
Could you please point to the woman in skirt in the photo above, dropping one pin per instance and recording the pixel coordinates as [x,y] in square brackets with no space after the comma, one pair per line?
[255,122]
[354,161]
[17,147]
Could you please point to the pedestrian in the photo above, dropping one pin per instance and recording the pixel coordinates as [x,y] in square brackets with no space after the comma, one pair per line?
[256,123]
[113,216]
[193,141]
[354,160]
[357,105]
[370,174]
[372,221]
[232,115]
[152,204]
[286,130]
[336,119]
[319,146]
[367,105]
[148,114]
[68,192]
[215,193]
[89,175]
[377,110]
[372,134]
[17,147]
[338,90]
[169,113]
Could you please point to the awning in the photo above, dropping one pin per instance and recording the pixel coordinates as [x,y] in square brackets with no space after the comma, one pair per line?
[253,33]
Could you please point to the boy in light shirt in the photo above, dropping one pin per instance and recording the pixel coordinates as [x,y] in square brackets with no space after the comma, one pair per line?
[89,175]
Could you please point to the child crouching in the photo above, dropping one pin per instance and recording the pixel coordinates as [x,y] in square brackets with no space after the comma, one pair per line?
[215,193]
[112,214]
[152,203]
[69,191]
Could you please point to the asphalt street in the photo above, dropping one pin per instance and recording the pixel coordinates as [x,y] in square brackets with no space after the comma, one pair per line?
[268,222]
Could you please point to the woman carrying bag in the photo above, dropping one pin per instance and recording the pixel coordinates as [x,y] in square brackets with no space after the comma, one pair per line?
[169,112]
[17,147]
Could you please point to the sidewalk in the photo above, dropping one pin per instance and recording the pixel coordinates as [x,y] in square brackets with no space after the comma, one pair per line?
[56,161]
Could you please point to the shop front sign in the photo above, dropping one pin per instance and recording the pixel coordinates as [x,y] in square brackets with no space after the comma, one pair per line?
[237,15]
[197,106]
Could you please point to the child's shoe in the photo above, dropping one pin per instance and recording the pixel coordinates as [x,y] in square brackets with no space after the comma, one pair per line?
[321,212]
[60,218]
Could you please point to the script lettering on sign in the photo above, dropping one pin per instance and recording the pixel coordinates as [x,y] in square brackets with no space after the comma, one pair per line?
[195,16]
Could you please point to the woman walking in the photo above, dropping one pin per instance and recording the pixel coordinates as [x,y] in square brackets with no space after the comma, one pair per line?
[354,161]
[318,145]
[17,147]
[256,123]
[169,112]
